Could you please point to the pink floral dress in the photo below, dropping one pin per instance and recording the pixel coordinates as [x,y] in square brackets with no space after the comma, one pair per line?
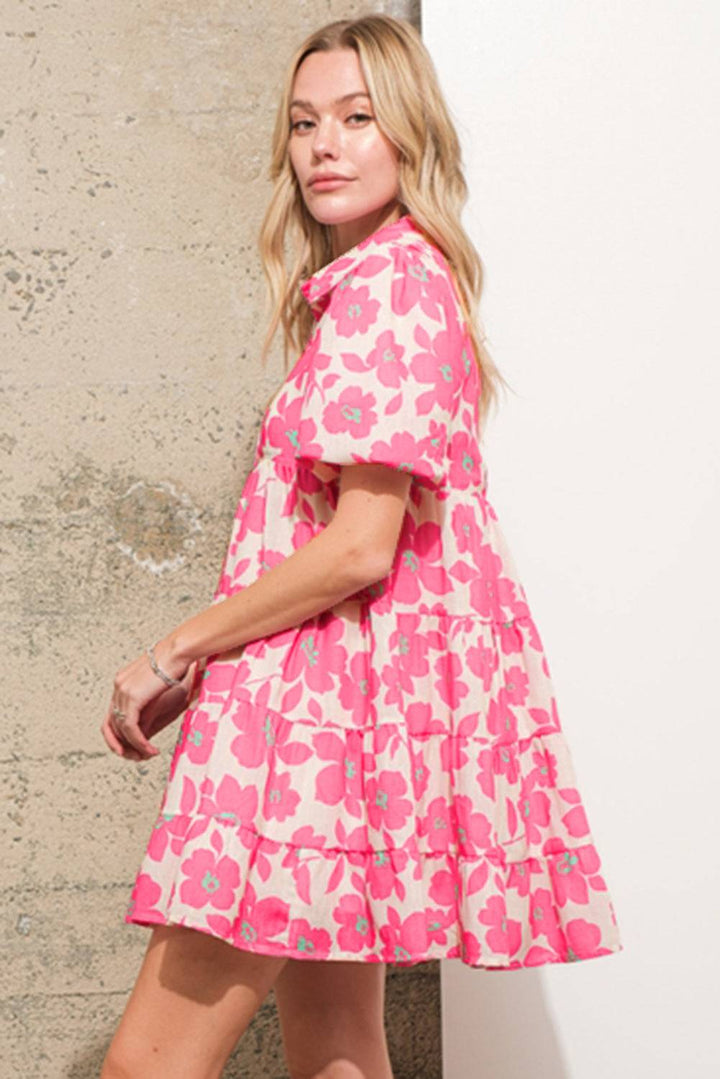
[387,781]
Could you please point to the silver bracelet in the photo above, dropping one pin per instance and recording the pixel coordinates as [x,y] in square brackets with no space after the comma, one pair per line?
[160,673]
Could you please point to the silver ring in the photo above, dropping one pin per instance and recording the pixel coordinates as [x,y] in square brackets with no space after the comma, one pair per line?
[118,713]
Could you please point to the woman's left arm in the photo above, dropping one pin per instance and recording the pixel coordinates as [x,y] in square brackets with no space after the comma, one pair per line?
[355,549]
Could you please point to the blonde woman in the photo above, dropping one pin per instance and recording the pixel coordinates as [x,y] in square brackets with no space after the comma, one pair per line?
[370,768]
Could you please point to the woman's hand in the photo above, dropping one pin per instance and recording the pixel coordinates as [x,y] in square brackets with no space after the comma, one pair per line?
[147,704]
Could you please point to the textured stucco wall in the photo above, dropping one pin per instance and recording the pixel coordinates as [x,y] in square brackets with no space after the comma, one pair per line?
[133,152]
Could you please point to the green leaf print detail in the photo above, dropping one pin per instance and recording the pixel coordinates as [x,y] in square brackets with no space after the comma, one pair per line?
[571,955]
[361,924]
[381,857]
[349,769]
[164,818]
[446,371]
[312,653]
[347,282]
[418,271]
[403,644]
[468,461]
[465,360]
[210,883]
[401,953]
[434,925]
[525,811]
[354,310]
[305,945]
[504,755]
[267,728]
[570,861]
[381,799]
[410,560]
[227,815]
[363,686]
[462,833]
[351,413]
[291,433]
[195,737]
[537,913]
[248,932]
[275,794]
[439,822]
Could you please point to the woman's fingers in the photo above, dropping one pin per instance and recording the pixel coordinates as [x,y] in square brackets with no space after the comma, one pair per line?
[125,739]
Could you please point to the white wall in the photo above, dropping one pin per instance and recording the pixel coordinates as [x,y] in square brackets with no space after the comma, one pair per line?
[591,140]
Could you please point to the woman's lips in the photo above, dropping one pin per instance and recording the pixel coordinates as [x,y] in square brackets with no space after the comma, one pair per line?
[328,185]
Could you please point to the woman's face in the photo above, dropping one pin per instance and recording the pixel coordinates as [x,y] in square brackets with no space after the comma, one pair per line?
[333,130]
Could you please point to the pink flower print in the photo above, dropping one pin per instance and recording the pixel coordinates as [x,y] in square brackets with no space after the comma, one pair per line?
[259,921]
[467,533]
[250,513]
[486,776]
[583,939]
[145,895]
[489,592]
[263,732]
[534,809]
[519,877]
[167,826]
[502,721]
[319,654]
[569,870]
[516,685]
[352,309]
[575,819]
[437,825]
[415,283]
[384,870]
[280,800]
[544,773]
[199,738]
[414,570]
[504,935]
[444,888]
[543,918]
[305,940]
[209,879]
[474,828]
[433,366]
[482,661]
[358,686]
[386,807]
[288,431]
[451,689]
[351,414]
[403,940]
[385,360]
[231,804]
[464,461]
[470,948]
[341,781]
[356,930]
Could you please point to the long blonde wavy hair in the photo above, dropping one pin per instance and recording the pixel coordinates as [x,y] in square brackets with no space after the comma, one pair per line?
[411,112]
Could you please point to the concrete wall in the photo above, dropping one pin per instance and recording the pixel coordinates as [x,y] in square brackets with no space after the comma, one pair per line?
[133,151]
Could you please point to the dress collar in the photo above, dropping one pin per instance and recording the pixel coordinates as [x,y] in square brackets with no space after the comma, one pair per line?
[317,287]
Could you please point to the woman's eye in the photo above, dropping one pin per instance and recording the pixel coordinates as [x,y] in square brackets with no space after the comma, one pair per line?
[297,126]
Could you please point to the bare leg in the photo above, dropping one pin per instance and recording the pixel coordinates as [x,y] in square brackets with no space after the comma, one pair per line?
[332,1018]
[194,997]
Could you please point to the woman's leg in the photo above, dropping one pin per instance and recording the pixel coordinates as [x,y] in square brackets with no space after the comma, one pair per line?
[332,1019]
[194,997]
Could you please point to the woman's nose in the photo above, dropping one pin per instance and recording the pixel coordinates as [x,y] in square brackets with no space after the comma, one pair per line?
[325,139]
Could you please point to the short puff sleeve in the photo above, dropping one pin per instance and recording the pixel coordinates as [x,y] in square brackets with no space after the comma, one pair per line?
[383,383]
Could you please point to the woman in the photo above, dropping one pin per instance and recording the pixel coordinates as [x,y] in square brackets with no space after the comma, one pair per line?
[370,767]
